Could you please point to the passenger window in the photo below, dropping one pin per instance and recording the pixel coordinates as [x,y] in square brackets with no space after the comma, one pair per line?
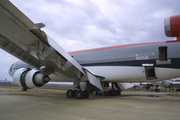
[163,54]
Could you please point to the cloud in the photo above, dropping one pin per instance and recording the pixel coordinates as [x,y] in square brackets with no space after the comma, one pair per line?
[6,60]
[84,24]
[100,23]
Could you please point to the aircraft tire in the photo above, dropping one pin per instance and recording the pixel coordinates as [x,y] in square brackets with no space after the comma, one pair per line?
[113,92]
[85,94]
[118,92]
[24,89]
[106,93]
[109,93]
[70,94]
[78,94]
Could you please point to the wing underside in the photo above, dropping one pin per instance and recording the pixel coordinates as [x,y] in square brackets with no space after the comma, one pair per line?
[25,40]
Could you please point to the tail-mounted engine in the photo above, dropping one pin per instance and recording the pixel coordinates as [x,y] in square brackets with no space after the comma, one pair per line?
[172,26]
[28,78]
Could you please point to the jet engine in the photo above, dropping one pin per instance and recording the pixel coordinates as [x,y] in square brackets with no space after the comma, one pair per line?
[27,78]
[172,26]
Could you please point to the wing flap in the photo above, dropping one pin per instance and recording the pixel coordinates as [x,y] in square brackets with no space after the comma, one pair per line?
[94,80]
[18,52]
[70,59]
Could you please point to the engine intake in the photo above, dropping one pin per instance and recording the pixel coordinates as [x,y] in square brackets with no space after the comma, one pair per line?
[172,26]
[28,78]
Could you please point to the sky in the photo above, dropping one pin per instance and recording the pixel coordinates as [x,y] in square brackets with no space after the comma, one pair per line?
[85,24]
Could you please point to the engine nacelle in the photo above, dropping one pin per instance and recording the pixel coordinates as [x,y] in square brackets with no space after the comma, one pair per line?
[172,26]
[28,78]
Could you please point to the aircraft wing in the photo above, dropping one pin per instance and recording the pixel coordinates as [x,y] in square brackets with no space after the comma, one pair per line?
[25,40]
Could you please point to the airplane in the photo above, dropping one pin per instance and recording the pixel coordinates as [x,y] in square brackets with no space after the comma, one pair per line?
[138,85]
[165,83]
[89,70]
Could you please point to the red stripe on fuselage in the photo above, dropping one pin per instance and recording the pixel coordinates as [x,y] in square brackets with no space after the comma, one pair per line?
[118,46]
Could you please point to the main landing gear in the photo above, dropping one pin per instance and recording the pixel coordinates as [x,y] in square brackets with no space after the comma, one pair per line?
[111,92]
[78,94]
[157,90]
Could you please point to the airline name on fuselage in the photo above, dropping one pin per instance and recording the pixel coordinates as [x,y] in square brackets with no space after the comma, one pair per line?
[142,57]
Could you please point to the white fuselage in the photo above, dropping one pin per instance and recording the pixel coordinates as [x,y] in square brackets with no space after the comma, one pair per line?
[125,74]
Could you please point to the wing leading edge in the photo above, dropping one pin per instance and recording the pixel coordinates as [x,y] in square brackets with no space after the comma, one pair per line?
[22,38]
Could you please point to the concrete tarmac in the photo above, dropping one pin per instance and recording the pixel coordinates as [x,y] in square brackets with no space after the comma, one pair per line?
[52,105]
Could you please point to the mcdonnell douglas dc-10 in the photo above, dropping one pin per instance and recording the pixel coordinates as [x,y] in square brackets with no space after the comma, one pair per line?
[89,70]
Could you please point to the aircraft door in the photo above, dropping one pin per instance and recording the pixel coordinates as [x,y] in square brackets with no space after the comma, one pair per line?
[163,56]
[150,71]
